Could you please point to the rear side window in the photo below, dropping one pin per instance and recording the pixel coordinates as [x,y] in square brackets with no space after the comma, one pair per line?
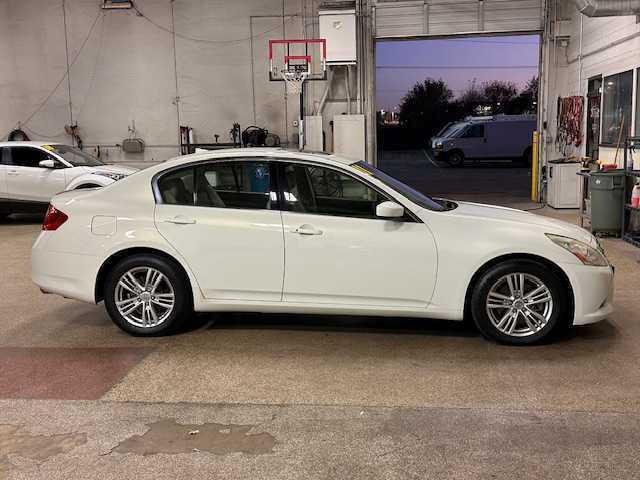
[27,156]
[176,188]
[242,184]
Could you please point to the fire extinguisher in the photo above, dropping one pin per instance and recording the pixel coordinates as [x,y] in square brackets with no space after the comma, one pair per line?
[635,196]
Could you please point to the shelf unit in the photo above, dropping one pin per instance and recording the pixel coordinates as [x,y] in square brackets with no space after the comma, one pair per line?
[631,147]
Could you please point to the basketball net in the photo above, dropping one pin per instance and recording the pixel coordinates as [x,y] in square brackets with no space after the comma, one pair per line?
[294,80]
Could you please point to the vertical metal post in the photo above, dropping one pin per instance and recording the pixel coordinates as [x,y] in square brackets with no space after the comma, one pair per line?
[534,166]
[368,63]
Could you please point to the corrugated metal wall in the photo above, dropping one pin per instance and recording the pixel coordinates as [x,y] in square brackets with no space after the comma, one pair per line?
[398,18]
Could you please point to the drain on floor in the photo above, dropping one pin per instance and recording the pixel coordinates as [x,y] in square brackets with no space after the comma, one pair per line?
[167,436]
[35,447]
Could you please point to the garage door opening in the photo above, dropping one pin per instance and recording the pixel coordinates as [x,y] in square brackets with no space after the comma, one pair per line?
[456,115]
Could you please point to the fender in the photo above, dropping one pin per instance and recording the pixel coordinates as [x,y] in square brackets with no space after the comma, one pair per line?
[89,179]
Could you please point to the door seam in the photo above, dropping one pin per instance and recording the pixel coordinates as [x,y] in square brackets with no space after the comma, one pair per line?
[284,257]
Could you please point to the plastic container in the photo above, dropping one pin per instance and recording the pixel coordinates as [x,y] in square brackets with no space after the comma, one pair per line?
[607,192]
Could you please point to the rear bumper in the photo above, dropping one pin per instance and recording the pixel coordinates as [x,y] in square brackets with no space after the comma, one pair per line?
[66,274]
[593,293]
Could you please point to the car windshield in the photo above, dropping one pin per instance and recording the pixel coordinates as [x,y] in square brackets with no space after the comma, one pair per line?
[75,156]
[444,130]
[415,196]
[454,129]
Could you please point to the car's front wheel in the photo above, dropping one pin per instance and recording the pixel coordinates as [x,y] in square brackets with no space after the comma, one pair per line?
[455,158]
[519,302]
[147,295]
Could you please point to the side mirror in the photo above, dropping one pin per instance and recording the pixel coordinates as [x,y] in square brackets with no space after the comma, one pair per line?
[48,163]
[389,210]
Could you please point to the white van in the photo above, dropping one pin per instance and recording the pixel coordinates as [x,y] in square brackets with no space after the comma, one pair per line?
[486,138]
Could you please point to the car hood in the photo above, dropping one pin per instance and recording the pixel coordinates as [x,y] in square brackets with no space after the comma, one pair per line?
[118,169]
[505,214]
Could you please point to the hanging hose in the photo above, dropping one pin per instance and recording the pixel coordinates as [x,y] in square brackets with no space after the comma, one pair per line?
[18,135]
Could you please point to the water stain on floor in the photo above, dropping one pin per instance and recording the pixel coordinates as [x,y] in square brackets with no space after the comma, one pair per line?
[35,447]
[167,436]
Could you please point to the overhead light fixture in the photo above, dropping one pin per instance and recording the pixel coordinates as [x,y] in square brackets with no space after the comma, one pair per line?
[116,4]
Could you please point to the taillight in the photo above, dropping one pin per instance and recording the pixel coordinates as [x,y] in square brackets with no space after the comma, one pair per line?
[53,218]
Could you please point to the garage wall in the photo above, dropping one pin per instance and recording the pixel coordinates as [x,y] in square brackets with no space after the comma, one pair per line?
[609,45]
[126,71]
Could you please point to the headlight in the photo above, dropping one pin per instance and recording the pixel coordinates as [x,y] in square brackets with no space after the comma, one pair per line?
[586,254]
[111,175]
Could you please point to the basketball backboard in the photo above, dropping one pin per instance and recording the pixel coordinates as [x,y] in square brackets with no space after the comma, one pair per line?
[301,56]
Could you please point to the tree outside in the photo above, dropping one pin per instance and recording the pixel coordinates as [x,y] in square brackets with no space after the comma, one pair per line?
[429,105]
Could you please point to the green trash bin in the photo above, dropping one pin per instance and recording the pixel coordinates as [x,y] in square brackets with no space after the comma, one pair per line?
[607,192]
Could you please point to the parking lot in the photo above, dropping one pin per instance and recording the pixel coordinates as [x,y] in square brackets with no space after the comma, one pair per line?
[501,182]
[324,397]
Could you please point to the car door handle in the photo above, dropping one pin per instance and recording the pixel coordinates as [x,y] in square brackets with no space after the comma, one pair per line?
[307,230]
[179,220]
[13,173]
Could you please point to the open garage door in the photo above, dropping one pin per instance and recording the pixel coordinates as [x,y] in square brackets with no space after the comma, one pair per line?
[454,17]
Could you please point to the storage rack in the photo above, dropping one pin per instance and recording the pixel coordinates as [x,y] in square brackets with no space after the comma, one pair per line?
[631,147]
[186,147]
[584,211]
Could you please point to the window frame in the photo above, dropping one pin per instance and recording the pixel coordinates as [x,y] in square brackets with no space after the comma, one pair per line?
[602,105]
[635,108]
[273,184]
[409,216]
[276,171]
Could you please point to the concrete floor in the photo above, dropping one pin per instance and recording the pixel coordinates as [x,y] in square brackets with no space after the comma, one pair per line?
[501,181]
[283,396]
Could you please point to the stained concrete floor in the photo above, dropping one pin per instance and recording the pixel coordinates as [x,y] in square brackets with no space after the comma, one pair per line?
[286,396]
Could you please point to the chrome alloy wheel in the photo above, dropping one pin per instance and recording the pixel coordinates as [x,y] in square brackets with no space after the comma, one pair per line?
[519,304]
[144,297]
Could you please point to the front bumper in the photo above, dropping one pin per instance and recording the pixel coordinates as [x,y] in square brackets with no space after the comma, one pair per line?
[592,291]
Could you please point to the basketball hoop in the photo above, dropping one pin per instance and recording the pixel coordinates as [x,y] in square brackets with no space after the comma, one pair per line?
[294,80]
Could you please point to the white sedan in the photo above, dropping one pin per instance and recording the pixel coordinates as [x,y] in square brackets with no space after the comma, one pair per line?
[266,230]
[33,172]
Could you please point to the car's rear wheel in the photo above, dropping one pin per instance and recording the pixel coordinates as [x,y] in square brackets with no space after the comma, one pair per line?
[455,158]
[147,295]
[519,302]
[526,159]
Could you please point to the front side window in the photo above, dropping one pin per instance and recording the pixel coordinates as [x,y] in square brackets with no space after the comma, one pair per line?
[474,131]
[616,107]
[27,156]
[242,184]
[324,191]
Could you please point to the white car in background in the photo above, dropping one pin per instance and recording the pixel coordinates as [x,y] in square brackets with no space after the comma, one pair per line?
[268,230]
[33,172]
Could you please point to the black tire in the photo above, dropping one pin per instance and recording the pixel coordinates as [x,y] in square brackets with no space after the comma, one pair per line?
[560,309]
[183,301]
[526,159]
[456,158]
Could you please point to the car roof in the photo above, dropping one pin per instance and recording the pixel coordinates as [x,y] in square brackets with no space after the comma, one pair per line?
[27,144]
[261,152]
